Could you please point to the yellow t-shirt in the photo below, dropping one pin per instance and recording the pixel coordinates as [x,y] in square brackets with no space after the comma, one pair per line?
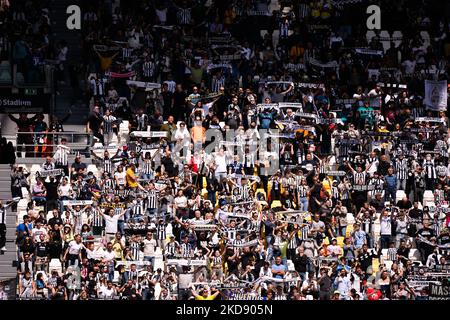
[131,178]
[203,298]
[117,249]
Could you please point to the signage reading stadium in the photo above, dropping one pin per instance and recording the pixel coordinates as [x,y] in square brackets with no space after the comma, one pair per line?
[17,102]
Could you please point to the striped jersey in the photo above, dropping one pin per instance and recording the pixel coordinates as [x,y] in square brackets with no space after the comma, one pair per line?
[161,231]
[392,254]
[230,233]
[61,155]
[217,83]
[304,231]
[135,249]
[294,242]
[126,53]
[401,168]
[171,248]
[151,200]
[186,249]
[97,219]
[184,15]
[108,123]
[359,178]
[148,69]
[430,170]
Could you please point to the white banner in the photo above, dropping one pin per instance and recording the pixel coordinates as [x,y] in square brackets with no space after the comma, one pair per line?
[76,202]
[149,134]
[436,95]
[50,173]
[203,227]
[186,262]
[127,264]
[251,243]
[142,84]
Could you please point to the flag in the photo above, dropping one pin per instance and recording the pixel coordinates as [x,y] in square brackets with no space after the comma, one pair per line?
[436,95]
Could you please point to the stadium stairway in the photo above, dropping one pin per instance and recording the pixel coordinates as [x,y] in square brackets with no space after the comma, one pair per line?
[7,271]
[67,98]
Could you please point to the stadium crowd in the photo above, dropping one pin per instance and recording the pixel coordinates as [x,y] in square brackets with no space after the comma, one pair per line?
[328,180]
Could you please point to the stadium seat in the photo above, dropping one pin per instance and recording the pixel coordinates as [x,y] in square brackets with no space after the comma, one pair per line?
[157,290]
[5,72]
[369,35]
[384,253]
[25,194]
[388,264]
[350,218]
[290,265]
[55,264]
[22,205]
[20,79]
[263,33]
[399,195]
[49,215]
[116,277]
[414,254]
[425,37]
[93,168]
[124,131]
[399,35]
[428,198]
[386,43]
[35,168]
[20,215]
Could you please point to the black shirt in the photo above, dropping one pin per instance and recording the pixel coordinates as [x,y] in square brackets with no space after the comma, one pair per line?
[404,252]
[325,283]
[54,220]
[41,249]
[404,205]
[94,121]
[52,190]
[78,165]
[377,204]
[443,238]
[427,233]
[415,213]
[300,263]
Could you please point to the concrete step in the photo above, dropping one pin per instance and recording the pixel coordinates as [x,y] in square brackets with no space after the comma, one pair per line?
[8,276]
[8,256]
[10,220]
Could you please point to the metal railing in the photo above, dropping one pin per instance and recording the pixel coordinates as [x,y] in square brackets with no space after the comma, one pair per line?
[43,144]
[40,76]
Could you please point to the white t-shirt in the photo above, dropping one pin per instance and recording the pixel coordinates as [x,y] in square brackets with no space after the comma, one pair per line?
[149,247]
[62,55]
[37,233]
[120,176]
[65,190]
[385,226]
[162,15]
[109,256]
[111,223]
[221,163]
[181,202]
[107,293]
[409,66]
[74,247]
